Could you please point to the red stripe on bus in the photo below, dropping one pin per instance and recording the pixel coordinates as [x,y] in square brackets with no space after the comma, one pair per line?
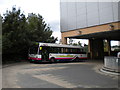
[83,57]
[63,58]
[35,58]
[72,58]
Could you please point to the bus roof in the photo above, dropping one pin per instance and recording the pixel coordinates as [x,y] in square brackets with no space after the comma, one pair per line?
[58,45]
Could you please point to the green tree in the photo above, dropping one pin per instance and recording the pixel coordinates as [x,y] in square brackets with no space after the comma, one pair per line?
[80,44]
[39,31]
[14,33]
[75,44]
[20,32]
[85,48]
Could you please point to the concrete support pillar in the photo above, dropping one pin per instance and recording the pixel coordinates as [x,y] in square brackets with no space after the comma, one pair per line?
[109,47]
[118,43]
[96,48]
[64,40]
[89,54]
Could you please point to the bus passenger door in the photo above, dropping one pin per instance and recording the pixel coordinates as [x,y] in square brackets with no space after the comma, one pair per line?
[45,54]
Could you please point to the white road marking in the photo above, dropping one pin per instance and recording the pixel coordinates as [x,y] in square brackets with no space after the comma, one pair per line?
[55,80]
[34,70]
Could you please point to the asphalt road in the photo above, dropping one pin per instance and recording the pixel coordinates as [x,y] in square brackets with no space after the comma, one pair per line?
[57,75]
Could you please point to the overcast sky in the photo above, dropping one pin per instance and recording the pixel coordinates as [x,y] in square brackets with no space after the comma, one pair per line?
[49,9]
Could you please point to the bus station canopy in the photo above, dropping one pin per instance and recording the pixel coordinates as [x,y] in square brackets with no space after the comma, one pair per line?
[112,35]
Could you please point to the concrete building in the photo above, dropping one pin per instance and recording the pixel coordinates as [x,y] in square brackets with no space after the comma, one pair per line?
[95,21]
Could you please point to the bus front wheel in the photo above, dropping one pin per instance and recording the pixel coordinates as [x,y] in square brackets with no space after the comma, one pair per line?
[52,60]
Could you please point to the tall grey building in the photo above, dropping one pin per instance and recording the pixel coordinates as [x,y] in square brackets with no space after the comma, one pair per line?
[95,21]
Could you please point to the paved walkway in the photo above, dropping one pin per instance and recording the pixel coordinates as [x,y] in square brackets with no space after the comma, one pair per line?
[58,75]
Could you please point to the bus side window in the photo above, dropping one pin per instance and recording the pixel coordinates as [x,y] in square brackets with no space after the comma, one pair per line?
[75,50]
[66,50]
[72,50]
[78,51]
[51,49]
[62,50]
[59,50]
[69,50]
[82,50]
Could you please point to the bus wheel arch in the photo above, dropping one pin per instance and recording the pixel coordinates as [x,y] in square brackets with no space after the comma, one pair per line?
[52,59]
[76,59]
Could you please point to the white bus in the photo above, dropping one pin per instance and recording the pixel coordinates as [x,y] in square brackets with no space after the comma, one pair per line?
[50,52]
